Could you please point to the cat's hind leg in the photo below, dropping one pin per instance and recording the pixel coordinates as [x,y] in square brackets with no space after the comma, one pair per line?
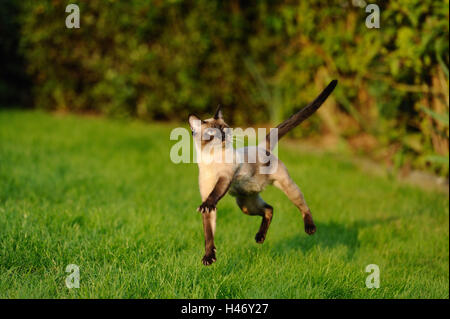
[283,181]
[255,205]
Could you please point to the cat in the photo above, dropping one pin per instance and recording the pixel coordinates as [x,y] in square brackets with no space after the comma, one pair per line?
[244,179]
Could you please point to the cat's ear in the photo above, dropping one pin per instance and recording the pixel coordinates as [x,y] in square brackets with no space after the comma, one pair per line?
[218,115]
[195,123]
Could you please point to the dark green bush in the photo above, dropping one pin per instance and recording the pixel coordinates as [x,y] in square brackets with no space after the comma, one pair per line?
[260,59]
[14,82]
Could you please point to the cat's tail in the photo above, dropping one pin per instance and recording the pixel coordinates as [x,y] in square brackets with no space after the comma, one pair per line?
[295,119]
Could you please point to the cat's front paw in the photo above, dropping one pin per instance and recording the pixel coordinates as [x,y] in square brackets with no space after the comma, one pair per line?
[206,207]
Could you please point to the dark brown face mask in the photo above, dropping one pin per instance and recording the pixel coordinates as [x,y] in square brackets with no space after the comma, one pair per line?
[218,132]
[216,122]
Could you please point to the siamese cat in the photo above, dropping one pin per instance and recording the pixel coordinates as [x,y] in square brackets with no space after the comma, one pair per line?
[245,176]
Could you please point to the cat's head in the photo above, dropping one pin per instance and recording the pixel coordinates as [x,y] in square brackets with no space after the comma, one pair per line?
[212,130]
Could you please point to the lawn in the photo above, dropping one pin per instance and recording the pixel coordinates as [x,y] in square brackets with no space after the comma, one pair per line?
[104,195]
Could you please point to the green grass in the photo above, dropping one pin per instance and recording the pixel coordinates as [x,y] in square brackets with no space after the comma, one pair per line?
[104,195]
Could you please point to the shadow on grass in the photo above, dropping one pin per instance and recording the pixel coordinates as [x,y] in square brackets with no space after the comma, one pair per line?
[328,236]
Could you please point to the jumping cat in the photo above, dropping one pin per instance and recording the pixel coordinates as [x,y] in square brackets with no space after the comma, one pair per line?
[244,180]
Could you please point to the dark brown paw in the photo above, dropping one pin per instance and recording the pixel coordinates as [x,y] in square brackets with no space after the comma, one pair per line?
[208,259]
[310,228]
[206,207]
[260,238]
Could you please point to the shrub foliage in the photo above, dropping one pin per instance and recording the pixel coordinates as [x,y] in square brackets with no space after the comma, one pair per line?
[260,59]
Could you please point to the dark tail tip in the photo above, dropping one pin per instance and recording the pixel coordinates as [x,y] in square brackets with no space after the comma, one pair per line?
[332,85]
[325,93]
